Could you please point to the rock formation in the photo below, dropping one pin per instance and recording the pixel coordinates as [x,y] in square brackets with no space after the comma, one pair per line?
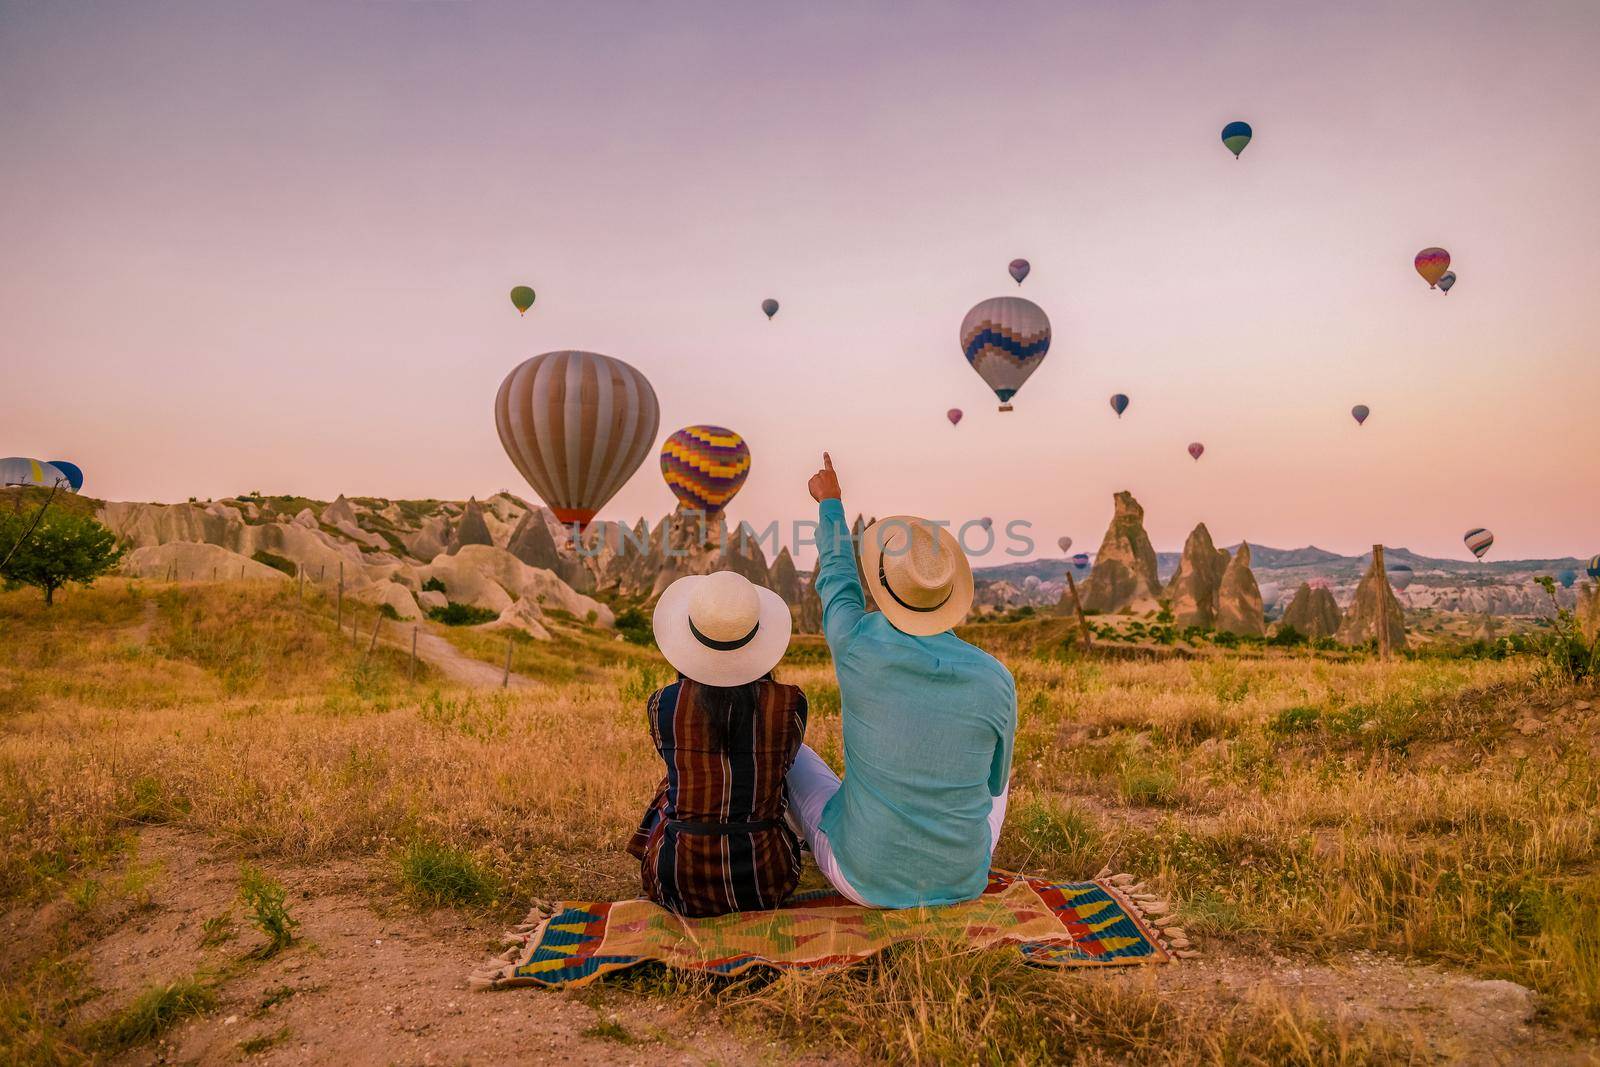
[783,579]
[1124,574]
[1313,612]
[1373,596]
[1589,611]
[1239,608]
[1194,588]
[809,617]
[190,561]
[492,578]
[470,529]
[393,594]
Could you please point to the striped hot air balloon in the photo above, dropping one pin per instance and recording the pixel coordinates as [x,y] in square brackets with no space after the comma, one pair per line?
[576,425]
[1431,263]
[1400,575]
[1005,339]
[1593,570]
[1479,541]
[1019,269]
[1447,281]
[17,470]
[704,466]
[1080,562]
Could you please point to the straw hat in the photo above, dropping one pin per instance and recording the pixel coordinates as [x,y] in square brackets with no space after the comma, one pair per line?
[917,573]
[721,629]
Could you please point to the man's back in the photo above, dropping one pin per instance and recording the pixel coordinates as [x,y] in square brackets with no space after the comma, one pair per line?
[928,726]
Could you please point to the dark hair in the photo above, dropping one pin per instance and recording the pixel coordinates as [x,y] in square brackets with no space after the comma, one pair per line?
[726,705]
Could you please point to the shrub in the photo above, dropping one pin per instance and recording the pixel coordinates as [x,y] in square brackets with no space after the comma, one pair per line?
[634,625]
[61,548]
[434,585]
[276,562]
[453,614]
[388,611]
[265,899]
[155,1011]
[443,876]
[1567,656]
[1287,637]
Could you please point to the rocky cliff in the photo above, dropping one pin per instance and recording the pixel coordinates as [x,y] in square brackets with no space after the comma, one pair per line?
[1313,612]
[1194,588]
[1239,607]
[1124,574]
[1374,596]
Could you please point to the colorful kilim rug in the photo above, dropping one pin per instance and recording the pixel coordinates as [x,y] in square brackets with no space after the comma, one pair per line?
[1105,922]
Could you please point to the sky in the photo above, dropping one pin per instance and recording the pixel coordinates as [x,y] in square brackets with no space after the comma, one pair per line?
[268,247]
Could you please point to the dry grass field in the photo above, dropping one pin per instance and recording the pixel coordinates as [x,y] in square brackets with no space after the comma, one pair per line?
[231,834]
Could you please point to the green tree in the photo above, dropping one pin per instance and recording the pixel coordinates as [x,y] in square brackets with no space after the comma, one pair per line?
[62,548]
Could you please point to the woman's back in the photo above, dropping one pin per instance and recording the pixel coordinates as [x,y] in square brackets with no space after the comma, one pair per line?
[714,840]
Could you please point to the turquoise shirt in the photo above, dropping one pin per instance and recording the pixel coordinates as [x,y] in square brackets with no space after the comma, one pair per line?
[928,729]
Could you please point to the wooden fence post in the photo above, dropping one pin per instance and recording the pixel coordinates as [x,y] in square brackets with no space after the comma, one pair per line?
[1383,601]
[1077,606]
[411,671]
[338,619]
[505,679]
[373,644]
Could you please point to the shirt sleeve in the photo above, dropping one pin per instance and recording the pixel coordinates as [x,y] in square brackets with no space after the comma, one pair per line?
[1000,766]
[843,604]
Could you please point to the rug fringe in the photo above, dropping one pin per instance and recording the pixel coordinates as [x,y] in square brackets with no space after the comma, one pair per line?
[1152,910]
[500,971]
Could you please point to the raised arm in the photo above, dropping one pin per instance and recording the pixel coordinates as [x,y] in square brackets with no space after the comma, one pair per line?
[843,603]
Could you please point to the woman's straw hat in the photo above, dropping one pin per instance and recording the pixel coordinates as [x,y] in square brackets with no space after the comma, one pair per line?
[721,629]
[917,573]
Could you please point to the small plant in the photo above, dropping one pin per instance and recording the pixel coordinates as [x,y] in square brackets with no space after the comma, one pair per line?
[454,614]
[155,1011]
[1568,658]
[438,875]
[610,1030]
[388,611]
[252,1046]
[265,900]
[216,930]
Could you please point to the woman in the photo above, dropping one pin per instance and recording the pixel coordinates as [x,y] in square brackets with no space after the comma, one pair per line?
[714,840]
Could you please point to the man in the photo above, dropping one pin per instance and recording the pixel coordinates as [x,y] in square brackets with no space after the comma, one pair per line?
[928,719]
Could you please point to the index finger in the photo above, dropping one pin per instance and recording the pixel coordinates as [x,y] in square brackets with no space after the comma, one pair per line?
[827,461]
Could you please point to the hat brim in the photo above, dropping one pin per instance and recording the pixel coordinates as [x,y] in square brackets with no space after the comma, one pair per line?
[707,665]
[908,620]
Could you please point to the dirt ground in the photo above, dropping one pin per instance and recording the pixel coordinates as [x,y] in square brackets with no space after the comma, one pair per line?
[373,981]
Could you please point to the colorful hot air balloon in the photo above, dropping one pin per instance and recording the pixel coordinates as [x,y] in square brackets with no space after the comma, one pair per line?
[704,466]
[1080,562]
[1196,450]
[1005,339]
[1446,280]
[986,522]
[73,472]
[1567,578]
[1119,403]
[576,425]
[1360,413]
[770,307]
[1019,269]
[522,299]
[1270,592]
[954,415]
[1236,135]
[1431,263]
[1593,570]
[1064,541]
[1478,541]
[1400,575]
[17,470]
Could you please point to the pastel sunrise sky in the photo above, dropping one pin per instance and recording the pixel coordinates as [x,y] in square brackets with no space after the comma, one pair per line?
[268,246]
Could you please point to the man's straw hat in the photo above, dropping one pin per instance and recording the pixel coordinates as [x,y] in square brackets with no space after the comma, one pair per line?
[917,573]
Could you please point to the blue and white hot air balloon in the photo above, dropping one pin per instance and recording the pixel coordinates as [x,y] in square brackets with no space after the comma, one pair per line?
[1236,135]
[17,470]
[1567,578]
[1400,576]
[1593,570]
[1005,339]
[1119,403]
[73,472]
[1080,562]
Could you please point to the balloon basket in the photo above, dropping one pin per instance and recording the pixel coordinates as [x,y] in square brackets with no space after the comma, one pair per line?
[1005,407]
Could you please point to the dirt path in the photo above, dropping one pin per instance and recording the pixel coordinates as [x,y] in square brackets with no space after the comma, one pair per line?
[450,661]
[365,983]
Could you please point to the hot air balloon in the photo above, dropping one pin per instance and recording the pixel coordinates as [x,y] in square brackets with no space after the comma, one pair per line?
[1196,450]
[704,466]
[986,522]
[1360,413]
[73,472]
[770,306]
[1064,541]
[522,299]
[1567,578]
[576,425]
[954,415]
[1119,403]
[17,470]
[1019,269]
[1446,280]
[1270,592]
[1479,541]
[1431,263]
[1593,570]
[1005,339]
[1236,135]
[1080,562]
[1400,575]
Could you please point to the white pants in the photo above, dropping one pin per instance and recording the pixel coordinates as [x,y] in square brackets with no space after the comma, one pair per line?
[811,784]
